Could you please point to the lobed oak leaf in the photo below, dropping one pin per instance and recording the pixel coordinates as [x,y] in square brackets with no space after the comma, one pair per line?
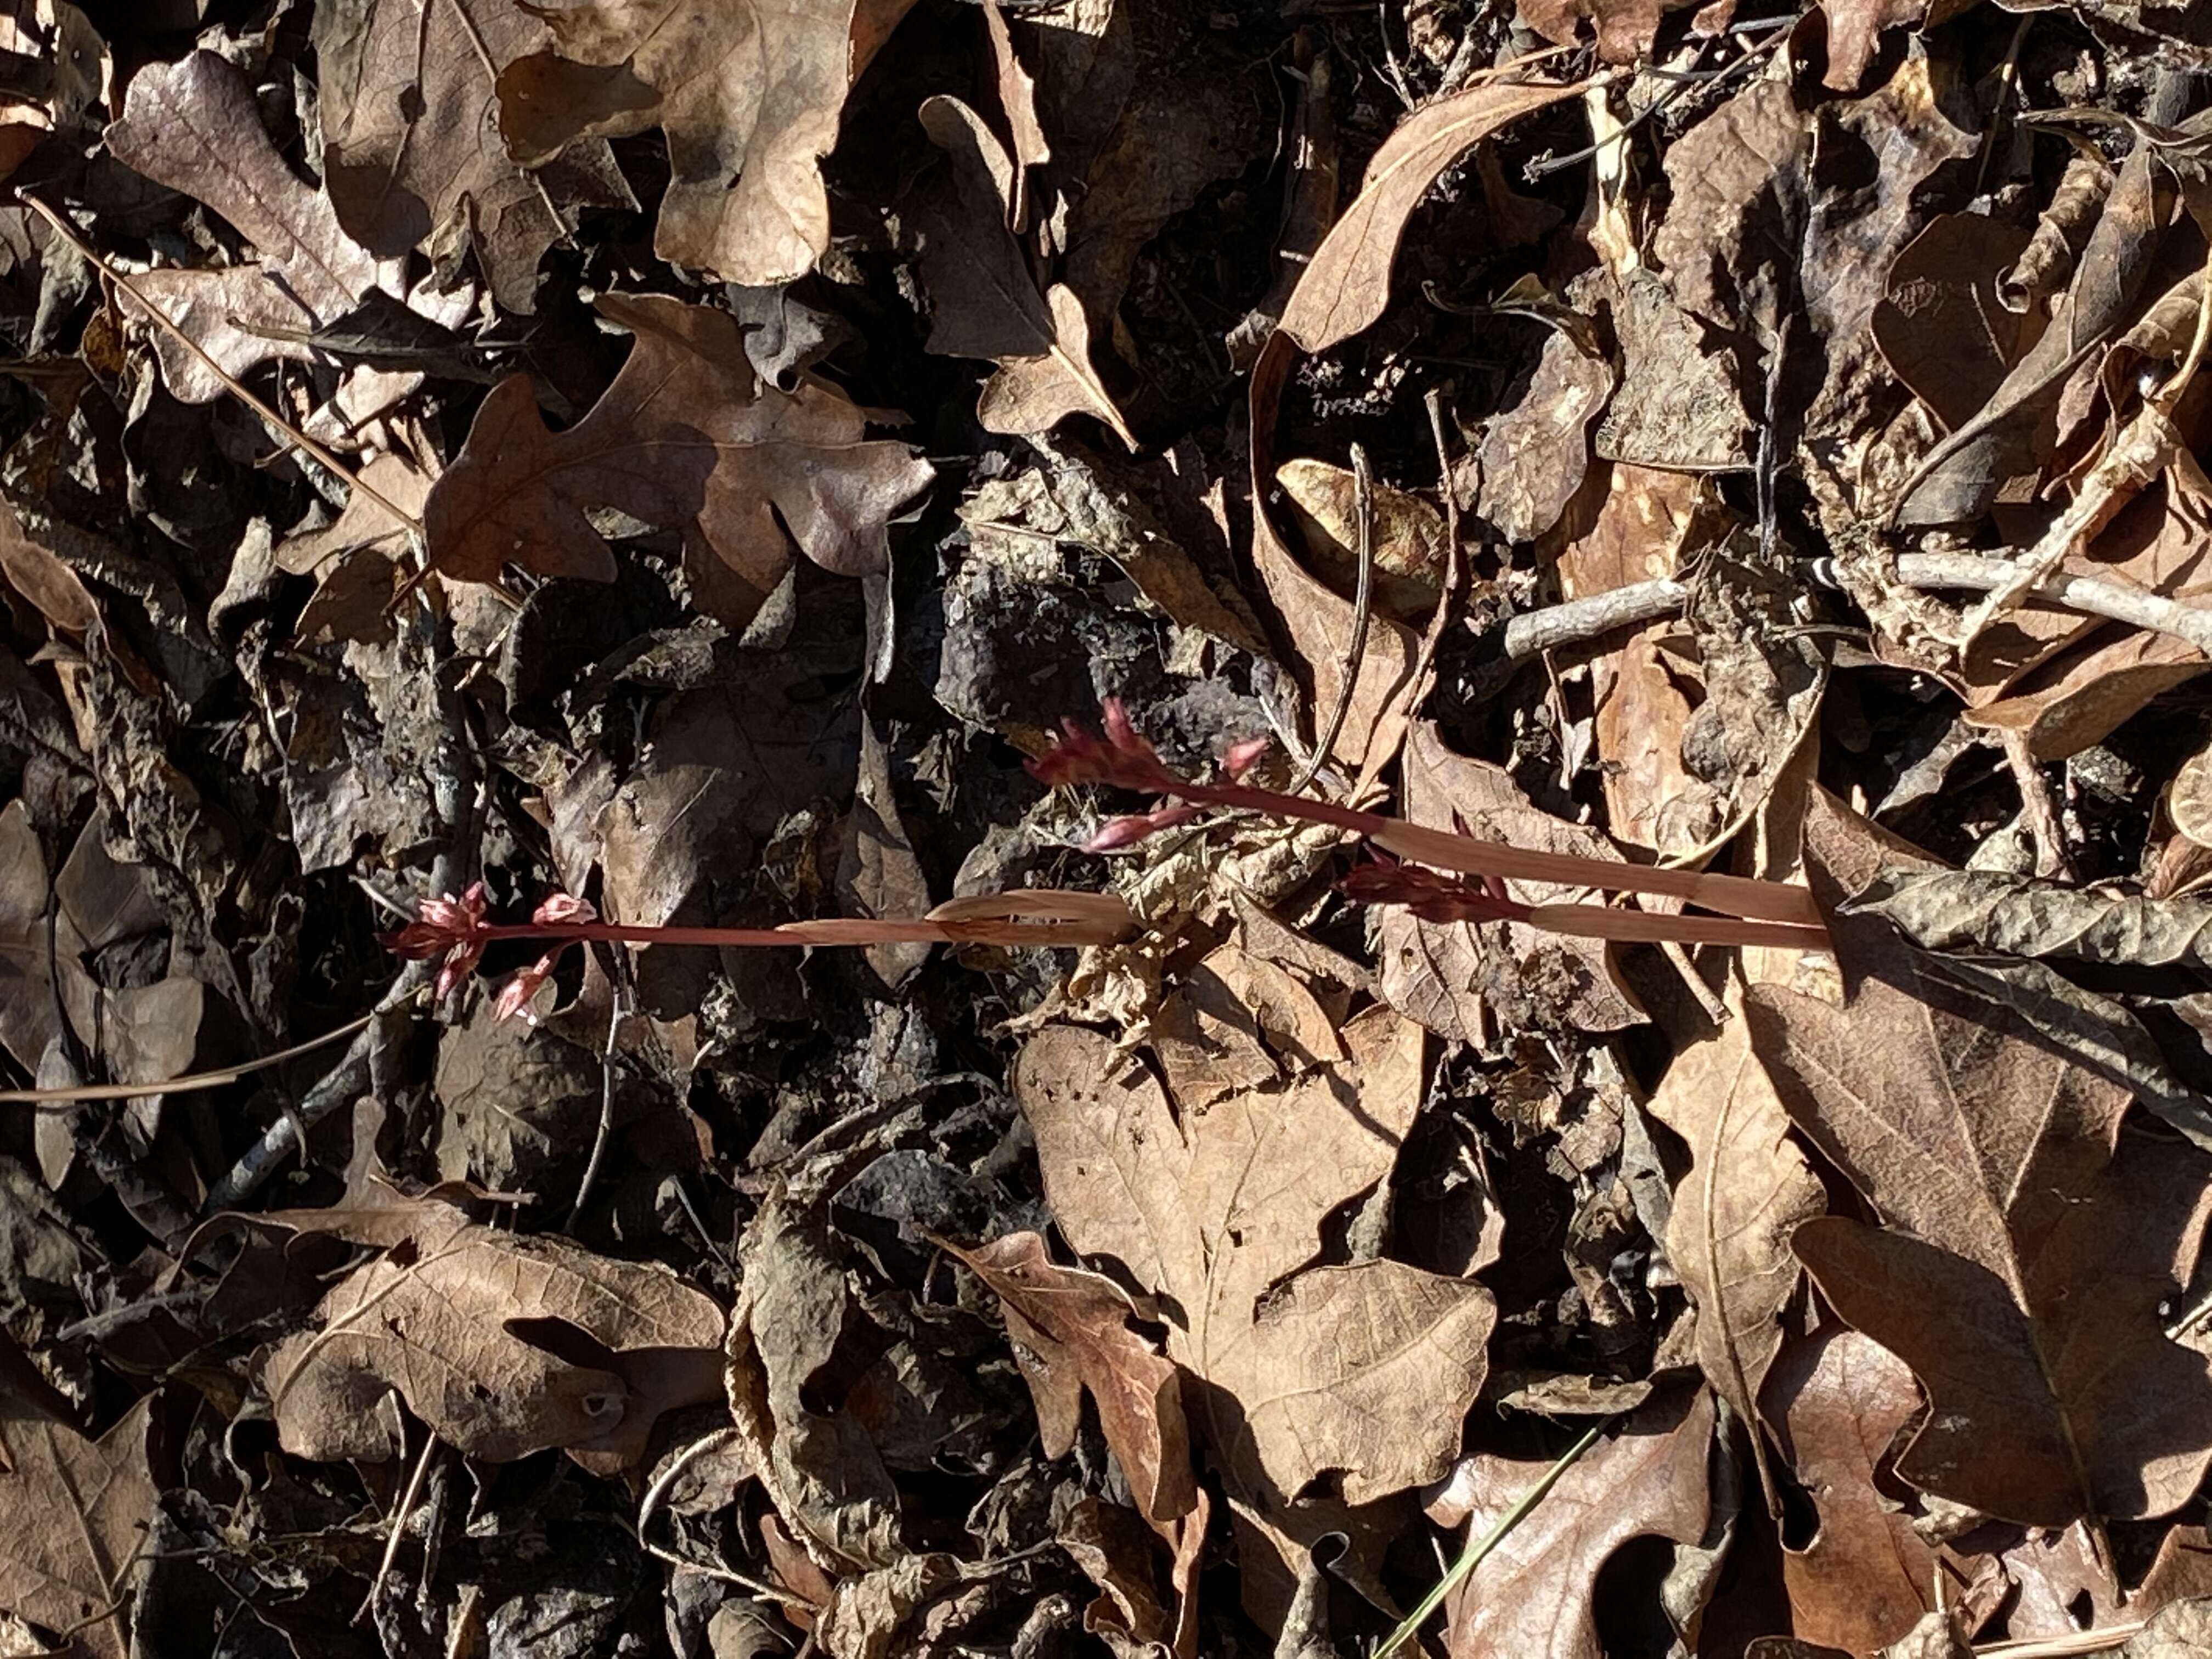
[687,437]
[411,150]
[192,125]
[1363,1371]
[748,94]
[503,1345]
[2027,1244]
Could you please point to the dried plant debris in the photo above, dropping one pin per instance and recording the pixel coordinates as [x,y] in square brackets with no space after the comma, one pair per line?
[593,1058]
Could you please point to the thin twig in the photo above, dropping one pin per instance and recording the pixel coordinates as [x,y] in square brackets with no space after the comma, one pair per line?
[61,1099]
[344,474]
[655,1493]
[1472,1556]
[606,1107]
[2091,595]
[399,1524]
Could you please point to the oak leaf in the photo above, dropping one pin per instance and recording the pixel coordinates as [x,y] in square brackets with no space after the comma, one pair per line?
[1865,1577]
[1076,1323]
[192,125]
[748,94]
[687,437]
[1300,1370]
[411,150]
[986,303]
[2027,1245]
[74,1513]
[503,1345]
[1727,1235]
[1535,1594]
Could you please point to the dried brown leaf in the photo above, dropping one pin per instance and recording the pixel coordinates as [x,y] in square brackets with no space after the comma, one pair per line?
[192,125]
[1941,326]
[1534,1595]
[1076,1324]
[503,1345]
[1463,980]
[51,586]
[1363,1371]
[1535,454]
[688,438]
[1855,29]
[74,1513]
[410,148]
[1747,1188]
[2026,1244]
[1865,1577]
[1406,537]
[1348,285]
[748,94]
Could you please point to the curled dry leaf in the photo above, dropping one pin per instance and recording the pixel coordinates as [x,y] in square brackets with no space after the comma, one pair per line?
[748,94]
[503,1345]
[985,302]
[2027,1246]
[1076,1325]
[410,148]
[1348,285]
[1533,1596]
[1364,1370]
[687,438]
[192,125]
[1747,1189]
[1866,1577]
[74,1513]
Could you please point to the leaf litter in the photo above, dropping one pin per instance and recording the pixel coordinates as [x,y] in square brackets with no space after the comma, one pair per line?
[1625,981]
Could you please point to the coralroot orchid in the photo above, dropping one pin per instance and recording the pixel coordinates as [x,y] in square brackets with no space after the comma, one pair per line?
[1768,913]
[457,930]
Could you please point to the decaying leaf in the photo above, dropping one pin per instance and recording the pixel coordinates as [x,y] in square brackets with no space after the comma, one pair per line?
[687,438]
[1348,285]
[2027,1244]
[1362,1371]
[1462,980]
[192,125]
[1533,1596]
[748,94]
[987,304]
[504,1345]
[1076,1324]
[1865,1577]
[74,1513]
[411,150]
[1747,1189]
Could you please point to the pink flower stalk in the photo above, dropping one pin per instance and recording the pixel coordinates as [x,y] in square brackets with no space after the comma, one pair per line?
[457,930]
[1752,912]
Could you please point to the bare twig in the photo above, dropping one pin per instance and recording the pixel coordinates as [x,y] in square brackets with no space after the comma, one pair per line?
[398,1526]
[1355,651]
[658,1492]
[2091,595]
[606,1107]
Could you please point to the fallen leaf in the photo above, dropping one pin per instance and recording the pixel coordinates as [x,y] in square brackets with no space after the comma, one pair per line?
[1747,1188]
[141,1031]
[51,586]
[192,125]
[1319,621]
[1361,1370]
[1463,980]
[1018,98]
[814,1457]
[411,152]
[1076,1324]
[1942,325]
[748,94]
[1535,453]
[985,302]
[1348,285]
[1865,1577]
[75,1512]
[503,1345]
[2179,1630]
[1645,693]
[2027,1247]
[1625,28]
[1406,538]
[1855,29]
[1533,1596]
[687,438]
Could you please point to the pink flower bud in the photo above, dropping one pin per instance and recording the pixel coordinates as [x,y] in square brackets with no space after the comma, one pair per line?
[559,908]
